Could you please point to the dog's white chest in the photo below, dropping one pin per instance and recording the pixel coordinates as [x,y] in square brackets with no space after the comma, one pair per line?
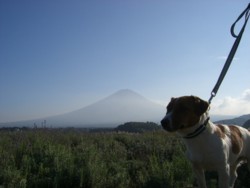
[207,151]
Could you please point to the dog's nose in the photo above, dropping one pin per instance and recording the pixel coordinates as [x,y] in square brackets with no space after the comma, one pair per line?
[164,122]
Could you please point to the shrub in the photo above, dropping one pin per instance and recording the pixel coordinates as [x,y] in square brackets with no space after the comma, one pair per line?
[56,158]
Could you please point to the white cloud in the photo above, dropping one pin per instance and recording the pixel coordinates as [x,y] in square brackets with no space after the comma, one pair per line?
[246,95]
[232,105]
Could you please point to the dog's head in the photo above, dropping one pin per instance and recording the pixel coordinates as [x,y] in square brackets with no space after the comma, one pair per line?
[183,112]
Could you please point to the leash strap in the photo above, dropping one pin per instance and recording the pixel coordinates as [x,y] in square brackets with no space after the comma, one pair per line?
[246,12]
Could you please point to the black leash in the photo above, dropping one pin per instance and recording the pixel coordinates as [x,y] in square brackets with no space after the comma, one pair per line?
[246,12]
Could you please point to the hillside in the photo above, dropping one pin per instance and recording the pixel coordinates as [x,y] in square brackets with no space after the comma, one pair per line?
[122,106]
[137,127]
[116,109]
[247,124]
[236,121]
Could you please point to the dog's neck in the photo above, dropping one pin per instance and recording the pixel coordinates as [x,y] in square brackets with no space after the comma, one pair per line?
[197,129]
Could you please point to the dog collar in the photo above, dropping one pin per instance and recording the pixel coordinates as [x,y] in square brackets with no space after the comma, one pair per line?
[198,131]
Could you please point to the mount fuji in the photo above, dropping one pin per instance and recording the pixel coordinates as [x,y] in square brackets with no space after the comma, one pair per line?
[120,107]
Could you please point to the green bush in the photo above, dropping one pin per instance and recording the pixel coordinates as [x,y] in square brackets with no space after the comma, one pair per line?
[55,158]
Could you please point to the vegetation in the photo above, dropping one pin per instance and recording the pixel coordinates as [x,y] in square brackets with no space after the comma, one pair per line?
[247,124]
[138,127]
[58,158]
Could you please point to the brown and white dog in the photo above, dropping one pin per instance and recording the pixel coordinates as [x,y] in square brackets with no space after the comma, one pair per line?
[219,148]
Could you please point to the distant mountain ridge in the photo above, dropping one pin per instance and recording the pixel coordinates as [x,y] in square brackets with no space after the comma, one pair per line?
[120,107]
[241,120]
[116,109]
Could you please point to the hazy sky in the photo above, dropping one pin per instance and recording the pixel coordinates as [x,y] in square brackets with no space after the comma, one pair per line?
[60,55]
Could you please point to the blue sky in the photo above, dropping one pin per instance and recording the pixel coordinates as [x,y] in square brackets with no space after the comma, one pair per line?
[58,56]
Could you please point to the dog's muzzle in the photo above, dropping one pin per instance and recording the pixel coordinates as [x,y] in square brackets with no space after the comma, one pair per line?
[166,123]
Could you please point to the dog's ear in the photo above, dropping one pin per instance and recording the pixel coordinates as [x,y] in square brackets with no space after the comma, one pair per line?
[201,106]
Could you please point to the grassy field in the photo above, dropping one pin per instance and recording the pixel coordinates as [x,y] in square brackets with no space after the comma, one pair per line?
[58,158]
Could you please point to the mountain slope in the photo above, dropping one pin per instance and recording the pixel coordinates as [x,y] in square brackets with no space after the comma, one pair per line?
[247,124]
[116,109]
[235,121]
[122,106]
